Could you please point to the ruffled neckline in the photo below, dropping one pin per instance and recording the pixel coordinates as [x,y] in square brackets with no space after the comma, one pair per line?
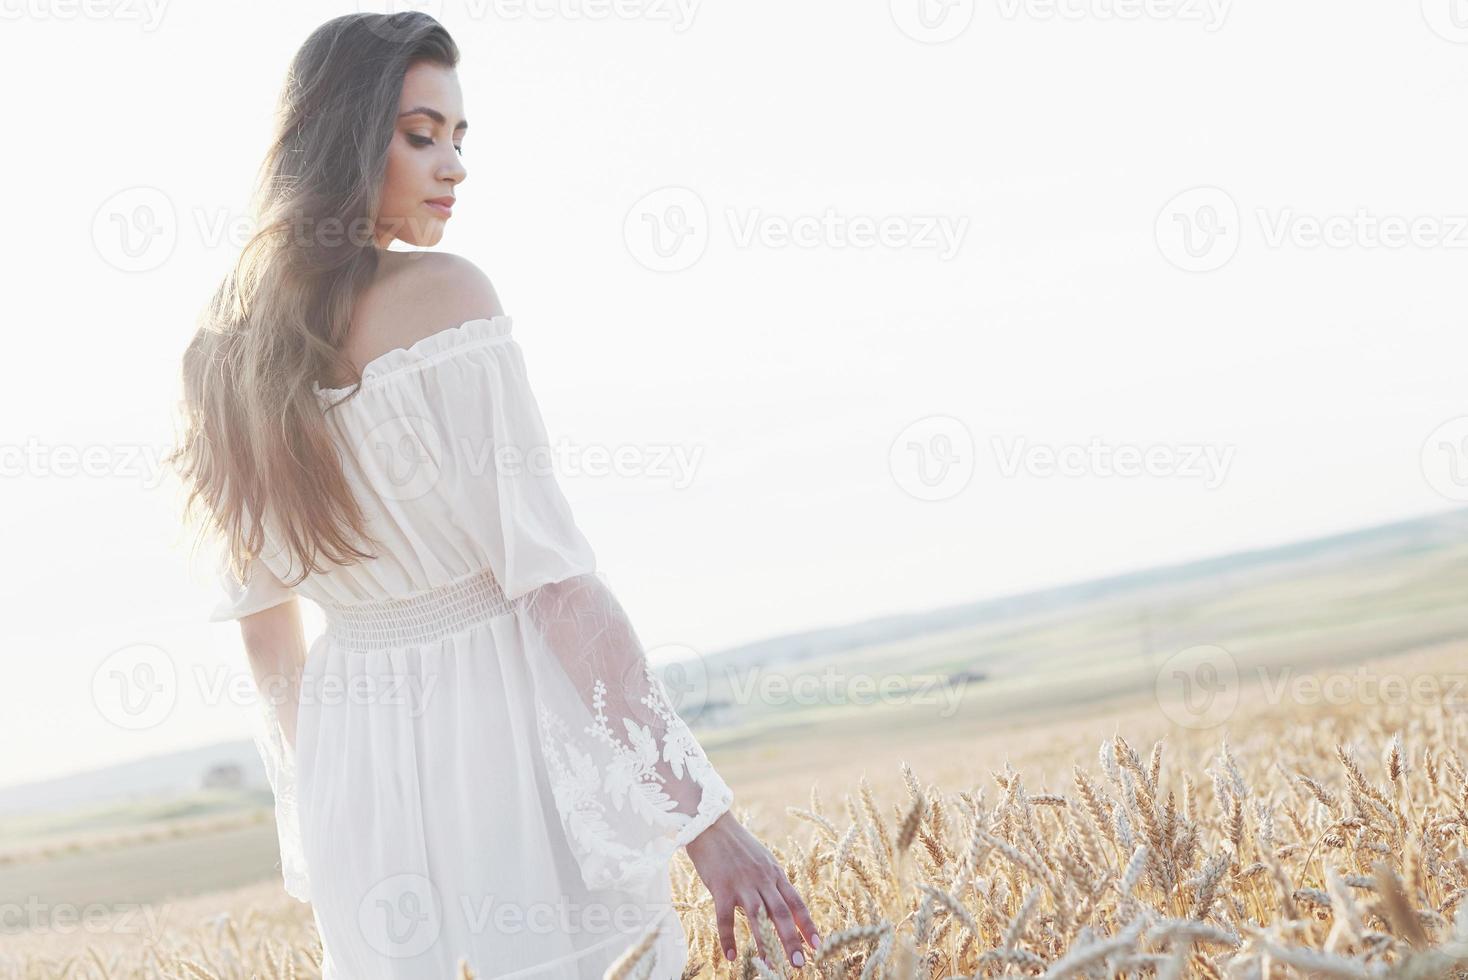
[426,350]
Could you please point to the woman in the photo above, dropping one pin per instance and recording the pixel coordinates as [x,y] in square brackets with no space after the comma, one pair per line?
[474,760]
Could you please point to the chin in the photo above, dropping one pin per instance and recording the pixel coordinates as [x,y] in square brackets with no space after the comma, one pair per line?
[422,233]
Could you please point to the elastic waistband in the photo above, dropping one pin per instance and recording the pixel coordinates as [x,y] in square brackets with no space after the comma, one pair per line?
[418,618]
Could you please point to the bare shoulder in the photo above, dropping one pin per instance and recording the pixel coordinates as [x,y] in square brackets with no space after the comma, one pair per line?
[448,287]
[417,294]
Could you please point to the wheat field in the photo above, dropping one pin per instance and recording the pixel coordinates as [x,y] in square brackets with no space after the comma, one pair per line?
[1298,841]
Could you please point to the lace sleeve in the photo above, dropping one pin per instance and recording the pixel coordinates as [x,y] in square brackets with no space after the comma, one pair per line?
[631,783]
[262,590]
[279,758]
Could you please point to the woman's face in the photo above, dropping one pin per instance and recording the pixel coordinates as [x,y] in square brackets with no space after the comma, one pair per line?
[423,162]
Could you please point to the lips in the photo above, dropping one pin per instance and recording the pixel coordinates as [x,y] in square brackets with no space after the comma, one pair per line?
[442,205]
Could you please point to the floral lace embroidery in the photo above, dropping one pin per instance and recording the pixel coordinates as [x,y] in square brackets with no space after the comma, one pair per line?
[280,770]
[582,789]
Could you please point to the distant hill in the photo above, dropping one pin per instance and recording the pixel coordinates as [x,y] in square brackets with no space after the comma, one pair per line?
[165,775]
[1361,546]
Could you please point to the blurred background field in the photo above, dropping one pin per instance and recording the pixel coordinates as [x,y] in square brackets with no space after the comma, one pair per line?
[1034,682]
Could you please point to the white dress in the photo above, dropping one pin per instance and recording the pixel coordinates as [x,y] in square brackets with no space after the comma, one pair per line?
[485,764]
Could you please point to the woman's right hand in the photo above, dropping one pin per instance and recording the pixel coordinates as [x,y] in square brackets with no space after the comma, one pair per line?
[740,871]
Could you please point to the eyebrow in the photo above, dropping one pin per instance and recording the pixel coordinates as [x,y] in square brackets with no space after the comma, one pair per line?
[434,114]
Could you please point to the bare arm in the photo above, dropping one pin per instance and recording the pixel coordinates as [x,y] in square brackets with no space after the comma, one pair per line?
[275,641]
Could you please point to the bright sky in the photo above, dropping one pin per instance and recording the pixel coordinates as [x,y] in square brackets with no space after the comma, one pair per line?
[905,302]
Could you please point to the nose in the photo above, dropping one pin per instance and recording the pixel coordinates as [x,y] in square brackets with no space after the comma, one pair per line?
[455,171]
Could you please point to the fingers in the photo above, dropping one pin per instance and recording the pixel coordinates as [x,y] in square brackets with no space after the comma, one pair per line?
[724,916]
[787,913]
[802,914]
[784,922]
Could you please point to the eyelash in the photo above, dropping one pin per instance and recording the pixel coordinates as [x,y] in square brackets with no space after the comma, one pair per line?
[425,141]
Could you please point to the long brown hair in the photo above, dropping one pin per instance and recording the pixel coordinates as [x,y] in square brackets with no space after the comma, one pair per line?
[256,443]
